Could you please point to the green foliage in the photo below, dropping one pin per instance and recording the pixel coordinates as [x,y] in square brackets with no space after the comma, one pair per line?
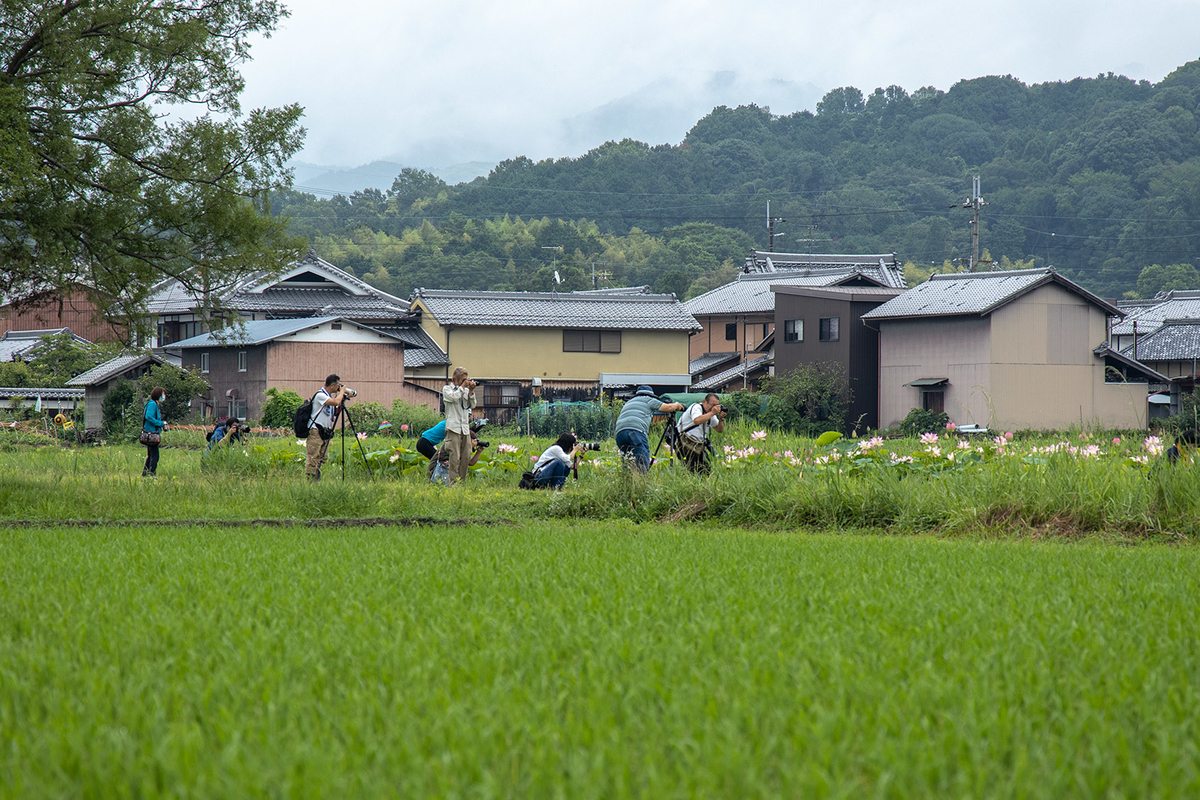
[121,396]
[280,407]
[920,421]
[588,421]
[812,399]
[1155,278]
[1096,176]
[417,418]
[89,146]
[181,386]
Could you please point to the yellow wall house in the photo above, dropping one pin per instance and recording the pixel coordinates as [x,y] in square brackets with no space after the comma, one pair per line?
[1024,349]
[577,340]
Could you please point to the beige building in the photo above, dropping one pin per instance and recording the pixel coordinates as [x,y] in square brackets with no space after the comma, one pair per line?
[515,342]
[1025,349]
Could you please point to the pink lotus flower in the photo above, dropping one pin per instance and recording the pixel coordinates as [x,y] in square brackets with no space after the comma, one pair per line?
[1116,440]
[404,427]
[757,435]
[1008,436]
[929,438]
[362,436]
[505,448]
[950,427]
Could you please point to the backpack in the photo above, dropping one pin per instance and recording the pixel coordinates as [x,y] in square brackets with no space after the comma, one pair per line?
[302,421]
[527,481]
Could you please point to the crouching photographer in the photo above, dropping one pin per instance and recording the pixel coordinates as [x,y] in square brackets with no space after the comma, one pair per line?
[228,430]
[558,460]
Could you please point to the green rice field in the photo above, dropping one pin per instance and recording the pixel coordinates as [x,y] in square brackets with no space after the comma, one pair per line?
[591,659]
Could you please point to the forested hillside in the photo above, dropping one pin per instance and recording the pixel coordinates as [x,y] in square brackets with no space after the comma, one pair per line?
[1099,177]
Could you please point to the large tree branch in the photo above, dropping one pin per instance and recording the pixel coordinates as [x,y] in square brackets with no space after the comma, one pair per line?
[34,42]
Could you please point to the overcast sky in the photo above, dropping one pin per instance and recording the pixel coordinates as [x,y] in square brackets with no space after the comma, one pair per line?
[446,81]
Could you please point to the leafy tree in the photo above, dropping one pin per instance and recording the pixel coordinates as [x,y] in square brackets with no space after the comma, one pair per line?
[116,404]
[813,398]
[99,187]
[61,358]
[181,385]
[280,407]
[1154,279]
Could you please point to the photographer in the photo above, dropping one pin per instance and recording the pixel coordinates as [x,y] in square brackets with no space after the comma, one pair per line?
[227,431]
[439,461]
[430,439]
[559,459]
[326,405]
[633,425]
[700,420]
[459,398]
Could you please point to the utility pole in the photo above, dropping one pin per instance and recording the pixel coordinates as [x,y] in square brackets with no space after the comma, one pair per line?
[771,234]
[602,275]
[974,202]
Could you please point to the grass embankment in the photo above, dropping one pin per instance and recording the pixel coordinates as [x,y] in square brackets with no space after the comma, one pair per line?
[1008,494]
[591,660]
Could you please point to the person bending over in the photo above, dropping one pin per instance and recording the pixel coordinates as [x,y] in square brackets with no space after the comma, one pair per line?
[633,425]
[428,441]
[552,468]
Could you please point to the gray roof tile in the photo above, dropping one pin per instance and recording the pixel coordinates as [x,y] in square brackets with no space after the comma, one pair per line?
[421,349]
[751,294]
[721,378]
[549,310]
[710,360]
[1171,305]
[1175,340]
[112,368]
[255,332]
[973,293]
[761,261]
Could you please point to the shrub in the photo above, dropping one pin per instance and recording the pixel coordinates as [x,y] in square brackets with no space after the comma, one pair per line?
[115,406]
[181,385]
[921,421]
[280,407]
[417,418]
[551,420]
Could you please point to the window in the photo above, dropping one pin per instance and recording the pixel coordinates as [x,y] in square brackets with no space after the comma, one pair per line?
[829,329]
[793,330]
[242,361]
[335,326]
[501,394]
[204,362]
[731,332]
[237,408]
[591,341]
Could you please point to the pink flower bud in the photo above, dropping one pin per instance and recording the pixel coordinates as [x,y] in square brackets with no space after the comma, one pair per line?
[1008,436]
[950,426]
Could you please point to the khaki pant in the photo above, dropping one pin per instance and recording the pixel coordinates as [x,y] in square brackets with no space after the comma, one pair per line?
[316,450]
[459,445]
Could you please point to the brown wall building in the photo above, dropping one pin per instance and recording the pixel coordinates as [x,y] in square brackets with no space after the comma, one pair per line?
[814,325]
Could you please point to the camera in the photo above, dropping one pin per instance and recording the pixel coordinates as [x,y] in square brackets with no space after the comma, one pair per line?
[590,446]
[480,444]
[349,392]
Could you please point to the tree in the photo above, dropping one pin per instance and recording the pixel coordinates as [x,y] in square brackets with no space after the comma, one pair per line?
[61,358]
[181,385]
[1155,278]
[101,187]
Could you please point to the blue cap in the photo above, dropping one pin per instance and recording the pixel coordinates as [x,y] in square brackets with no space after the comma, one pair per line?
[645,390]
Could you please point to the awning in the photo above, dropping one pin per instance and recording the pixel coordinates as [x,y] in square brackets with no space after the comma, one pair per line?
[928,383]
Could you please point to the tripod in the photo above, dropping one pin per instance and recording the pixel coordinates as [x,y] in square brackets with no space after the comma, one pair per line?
[344,412]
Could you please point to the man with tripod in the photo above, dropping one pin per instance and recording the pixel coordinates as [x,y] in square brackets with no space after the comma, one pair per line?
[326,405]
[459,398]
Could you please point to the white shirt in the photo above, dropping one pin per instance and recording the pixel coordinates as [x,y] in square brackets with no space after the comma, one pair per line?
[322,414]
[459,402]
[552,452]
[698,432]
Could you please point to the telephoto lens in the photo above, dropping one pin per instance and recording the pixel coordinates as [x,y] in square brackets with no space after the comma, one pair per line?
[591,446]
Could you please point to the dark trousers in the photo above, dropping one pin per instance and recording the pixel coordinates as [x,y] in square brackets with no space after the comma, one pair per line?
[426,447]
[552,476]
[151,466]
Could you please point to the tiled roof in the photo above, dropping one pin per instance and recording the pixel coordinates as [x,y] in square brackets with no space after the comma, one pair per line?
[710,360]
[255,332]
[719,380]
[340,293]
[549,310]
[617,290]
[45,393]
[751,294]
[974,293]
[1175,340]
[1170,305]
[421,350]
[19,344]
[112,368]
[885,264]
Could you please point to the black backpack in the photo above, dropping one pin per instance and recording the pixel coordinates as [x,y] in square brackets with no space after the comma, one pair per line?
[303,419]
[223,422]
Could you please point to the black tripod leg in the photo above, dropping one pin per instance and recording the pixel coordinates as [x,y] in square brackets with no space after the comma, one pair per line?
[354,430]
